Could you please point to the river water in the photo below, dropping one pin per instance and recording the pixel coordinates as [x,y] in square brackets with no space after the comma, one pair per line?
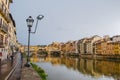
[70,68]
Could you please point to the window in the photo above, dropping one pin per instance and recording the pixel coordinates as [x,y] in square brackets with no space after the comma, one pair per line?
[0,22]
[6,2]
[6,40]
[2,6]
[1,38]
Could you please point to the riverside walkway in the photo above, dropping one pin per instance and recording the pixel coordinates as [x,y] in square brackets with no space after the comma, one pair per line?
[17,70]
[7,67]
[28,73]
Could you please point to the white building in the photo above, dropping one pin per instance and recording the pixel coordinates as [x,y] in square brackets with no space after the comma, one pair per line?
[82,46]
[89,44]
[116,38]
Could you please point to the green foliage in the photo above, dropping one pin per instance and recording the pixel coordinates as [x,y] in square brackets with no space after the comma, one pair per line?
[40,71]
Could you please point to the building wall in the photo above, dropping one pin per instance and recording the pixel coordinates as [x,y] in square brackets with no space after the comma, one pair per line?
[63,48]
[94,45]
[116,38]
[104,47]
[4,27]
[83,46]
[98,48]
[110,48]
[88,47]
[116,48]
[89,44]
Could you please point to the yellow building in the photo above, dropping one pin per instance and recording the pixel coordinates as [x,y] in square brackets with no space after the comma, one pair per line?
[98,48]
[12,38]
[110,48]
[104,47]
[70,47]
[63,48]
[107,47]
[4,27]
[55,46]
[116,47]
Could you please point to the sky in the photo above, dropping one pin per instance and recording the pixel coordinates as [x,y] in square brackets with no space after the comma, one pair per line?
[66,20]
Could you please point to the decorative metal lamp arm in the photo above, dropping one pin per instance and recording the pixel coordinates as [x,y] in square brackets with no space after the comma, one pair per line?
[39,17]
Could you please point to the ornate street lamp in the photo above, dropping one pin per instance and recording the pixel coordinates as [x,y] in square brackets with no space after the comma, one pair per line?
[30,21]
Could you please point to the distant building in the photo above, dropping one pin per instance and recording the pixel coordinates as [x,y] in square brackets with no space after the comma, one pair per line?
[116,38]
[55,46]
[107,46]
[98,47]
[63,48]
[94,45]
[82,46]
[70,47]
[89,44]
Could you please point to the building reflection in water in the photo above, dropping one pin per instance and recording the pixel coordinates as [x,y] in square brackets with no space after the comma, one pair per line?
[95,68]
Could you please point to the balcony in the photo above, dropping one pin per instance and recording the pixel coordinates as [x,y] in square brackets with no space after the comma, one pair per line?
[4,13]
[4,28]
[2,44]
[7,17]
[1,8]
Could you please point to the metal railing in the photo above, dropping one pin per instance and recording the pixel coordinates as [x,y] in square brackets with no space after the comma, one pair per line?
[17,64]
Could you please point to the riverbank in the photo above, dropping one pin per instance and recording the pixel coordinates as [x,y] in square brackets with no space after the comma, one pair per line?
[40,71]
[100,57]
[94,56]
[28,73]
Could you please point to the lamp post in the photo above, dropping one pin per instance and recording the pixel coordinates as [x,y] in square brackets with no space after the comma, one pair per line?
[30,21]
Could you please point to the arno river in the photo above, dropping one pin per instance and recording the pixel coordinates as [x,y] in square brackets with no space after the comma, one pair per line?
[69,68]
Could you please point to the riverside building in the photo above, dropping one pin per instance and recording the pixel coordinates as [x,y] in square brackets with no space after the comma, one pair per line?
[8,38]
